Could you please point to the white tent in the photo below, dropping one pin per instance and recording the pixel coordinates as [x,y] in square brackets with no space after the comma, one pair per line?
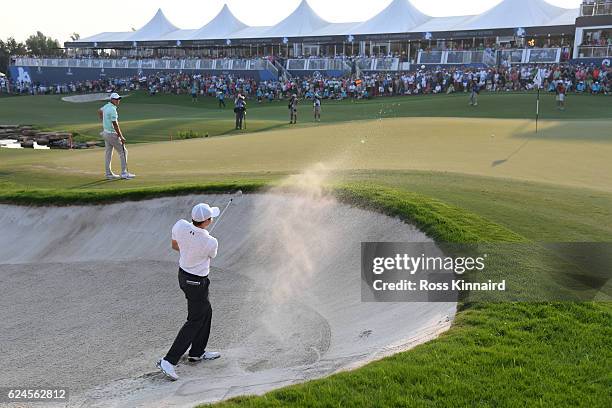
[220,27]
[515,14]
[336,29]
[398,17]
[252,32]
[302,22]
[178,35]
[441,24]
[158,27]
[108,37]
[567,18]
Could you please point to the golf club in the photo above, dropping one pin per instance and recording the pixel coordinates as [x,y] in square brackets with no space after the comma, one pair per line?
[238,194]
[125,155]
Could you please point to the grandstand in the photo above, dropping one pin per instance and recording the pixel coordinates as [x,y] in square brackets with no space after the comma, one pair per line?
[512,32]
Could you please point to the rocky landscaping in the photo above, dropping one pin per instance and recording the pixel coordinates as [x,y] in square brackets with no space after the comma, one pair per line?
[27,136]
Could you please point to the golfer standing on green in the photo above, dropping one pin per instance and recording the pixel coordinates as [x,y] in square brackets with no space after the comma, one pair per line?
[113,138]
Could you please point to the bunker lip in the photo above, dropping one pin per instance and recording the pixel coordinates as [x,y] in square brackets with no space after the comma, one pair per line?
[91,292]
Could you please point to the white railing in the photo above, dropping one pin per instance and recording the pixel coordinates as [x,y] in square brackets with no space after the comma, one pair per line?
[490,57]
[317,64]
[151,64]
[595,52]
[598,8]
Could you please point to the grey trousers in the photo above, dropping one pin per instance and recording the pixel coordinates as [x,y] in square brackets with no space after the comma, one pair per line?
[111,141]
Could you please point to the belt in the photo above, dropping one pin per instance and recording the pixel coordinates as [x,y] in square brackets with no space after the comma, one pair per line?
[192,276]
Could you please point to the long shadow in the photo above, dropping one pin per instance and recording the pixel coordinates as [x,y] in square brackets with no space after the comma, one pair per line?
[234,131]
[503,161]
[93,184]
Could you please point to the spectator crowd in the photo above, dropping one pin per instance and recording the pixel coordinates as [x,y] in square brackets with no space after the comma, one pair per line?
[575,78]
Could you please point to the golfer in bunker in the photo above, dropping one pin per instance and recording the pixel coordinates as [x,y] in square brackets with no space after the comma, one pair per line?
[196,248]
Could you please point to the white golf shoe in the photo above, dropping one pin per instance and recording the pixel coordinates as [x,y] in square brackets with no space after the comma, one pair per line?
[127,176]
[167,369]
[208,355]
[112,176]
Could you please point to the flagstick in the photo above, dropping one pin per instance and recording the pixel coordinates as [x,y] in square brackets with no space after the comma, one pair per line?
[537,109]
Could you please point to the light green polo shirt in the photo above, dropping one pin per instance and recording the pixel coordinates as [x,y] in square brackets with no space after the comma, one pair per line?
[109,115]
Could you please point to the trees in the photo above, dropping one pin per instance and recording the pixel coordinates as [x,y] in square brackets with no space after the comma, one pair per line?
[8,48]
[39,44]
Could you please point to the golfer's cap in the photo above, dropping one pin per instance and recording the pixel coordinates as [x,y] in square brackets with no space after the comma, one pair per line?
[202,212]
[115,95]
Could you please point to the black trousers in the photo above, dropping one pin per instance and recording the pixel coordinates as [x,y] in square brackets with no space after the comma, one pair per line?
[196,330]
[239,118]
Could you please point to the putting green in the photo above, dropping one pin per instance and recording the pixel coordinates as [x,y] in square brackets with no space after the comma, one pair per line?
[569,153]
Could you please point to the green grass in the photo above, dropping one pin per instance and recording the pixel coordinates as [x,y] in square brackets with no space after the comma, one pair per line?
[145,119]
[436,173]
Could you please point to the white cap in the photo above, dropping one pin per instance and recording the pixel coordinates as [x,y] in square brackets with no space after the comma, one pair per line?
[115,95]
[202,212]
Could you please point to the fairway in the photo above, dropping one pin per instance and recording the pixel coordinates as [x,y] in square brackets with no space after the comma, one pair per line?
[506,148]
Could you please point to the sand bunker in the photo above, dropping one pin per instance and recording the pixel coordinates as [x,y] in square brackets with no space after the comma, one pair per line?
[88,98]
[90,299]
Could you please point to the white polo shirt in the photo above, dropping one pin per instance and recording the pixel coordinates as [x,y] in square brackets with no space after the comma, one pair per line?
[197,247]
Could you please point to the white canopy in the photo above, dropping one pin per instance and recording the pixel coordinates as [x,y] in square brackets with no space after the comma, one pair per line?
[155,29]
[399,17]
[567,18]
[222,26]
[108,37]
[302,22]
[515,14]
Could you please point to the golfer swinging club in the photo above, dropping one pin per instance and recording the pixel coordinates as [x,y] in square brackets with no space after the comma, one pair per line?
[196,247]
[113,138]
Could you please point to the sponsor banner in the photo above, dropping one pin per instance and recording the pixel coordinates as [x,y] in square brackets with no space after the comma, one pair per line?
[57,75]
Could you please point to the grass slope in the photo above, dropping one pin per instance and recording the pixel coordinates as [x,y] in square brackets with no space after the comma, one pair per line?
[516,354]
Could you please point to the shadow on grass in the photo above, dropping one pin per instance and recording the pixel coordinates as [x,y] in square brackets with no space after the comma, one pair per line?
[515,152]
[587,131]
[94,184]
[248,130]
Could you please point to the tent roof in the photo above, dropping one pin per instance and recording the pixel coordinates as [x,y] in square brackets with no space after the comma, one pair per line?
[398,17]
[107,37]
[515,14]
[336,29]
[252,32]
[156,28]
[567,18]
[178,35]
[220,27]
[441,24]
[302,22]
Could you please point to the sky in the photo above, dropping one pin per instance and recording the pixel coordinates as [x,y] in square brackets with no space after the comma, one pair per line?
[60,18]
